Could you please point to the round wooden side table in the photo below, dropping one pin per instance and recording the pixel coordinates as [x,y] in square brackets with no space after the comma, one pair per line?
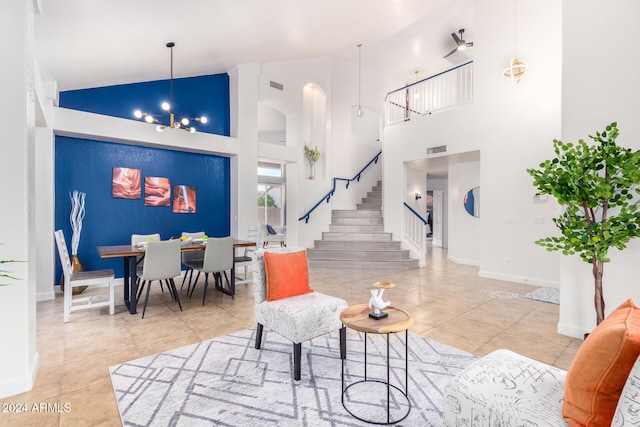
[356,317]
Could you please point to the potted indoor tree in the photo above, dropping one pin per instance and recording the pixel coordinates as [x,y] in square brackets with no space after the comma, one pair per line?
[312,155]
[596,185]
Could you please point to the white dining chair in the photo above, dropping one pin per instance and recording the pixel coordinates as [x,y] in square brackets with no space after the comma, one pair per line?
[188,257]
[83,278]
[161,262]
[218,258]
[142,238]
[242,258]
[135,240]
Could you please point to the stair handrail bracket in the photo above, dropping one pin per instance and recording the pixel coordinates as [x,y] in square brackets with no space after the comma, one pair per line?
[442,91]
[329,194]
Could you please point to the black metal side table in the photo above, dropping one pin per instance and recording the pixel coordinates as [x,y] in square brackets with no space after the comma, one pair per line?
[357,317]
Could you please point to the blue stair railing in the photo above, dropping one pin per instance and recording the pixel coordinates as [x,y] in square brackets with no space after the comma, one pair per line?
[414,229]
[424,221]
[327,196]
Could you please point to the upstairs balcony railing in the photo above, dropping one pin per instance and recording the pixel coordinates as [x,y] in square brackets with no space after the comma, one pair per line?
[430,95]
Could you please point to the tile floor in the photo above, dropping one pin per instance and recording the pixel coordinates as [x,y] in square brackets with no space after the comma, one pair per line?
[449,303]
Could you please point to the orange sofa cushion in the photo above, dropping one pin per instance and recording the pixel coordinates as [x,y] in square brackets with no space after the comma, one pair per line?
[287,275]
[600,368]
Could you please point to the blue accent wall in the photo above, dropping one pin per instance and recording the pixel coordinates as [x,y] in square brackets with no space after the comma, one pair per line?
[193,97]
[86,166]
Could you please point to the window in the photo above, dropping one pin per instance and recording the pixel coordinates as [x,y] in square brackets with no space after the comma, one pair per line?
[271,194]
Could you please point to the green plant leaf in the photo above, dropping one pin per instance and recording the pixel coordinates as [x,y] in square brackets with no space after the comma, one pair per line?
[595,183]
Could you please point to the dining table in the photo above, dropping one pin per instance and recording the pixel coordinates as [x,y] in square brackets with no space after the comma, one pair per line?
[129,254]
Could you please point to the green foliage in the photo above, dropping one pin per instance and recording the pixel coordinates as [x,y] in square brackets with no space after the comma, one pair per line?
[311,154]
[4,274]
[597,184]
[271,202]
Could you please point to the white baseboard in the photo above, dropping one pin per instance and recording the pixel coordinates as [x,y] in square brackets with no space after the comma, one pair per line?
[519,279]
[21,385]
[571,331]
[464,261]
[45,296]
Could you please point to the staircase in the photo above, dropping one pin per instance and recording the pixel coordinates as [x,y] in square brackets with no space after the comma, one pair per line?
[356,239]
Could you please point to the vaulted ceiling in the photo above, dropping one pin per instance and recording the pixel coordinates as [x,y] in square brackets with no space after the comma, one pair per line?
[92,43]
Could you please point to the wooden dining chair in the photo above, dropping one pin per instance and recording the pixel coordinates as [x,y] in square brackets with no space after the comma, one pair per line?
[218,258]
[83,278]
[161,262]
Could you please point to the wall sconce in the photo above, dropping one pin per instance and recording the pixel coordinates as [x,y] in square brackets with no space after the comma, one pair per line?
[418,196]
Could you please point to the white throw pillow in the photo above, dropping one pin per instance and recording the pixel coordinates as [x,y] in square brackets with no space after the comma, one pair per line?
[628,409]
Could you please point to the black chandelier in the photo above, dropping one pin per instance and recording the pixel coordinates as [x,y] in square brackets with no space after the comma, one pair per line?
[167,107]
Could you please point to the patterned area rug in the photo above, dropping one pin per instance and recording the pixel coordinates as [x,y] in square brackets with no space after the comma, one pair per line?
[551,295]
[226,381]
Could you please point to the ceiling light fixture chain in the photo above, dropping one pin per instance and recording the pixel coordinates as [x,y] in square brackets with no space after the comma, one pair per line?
[171,45]
[168,108]
[515,27]
[359,46]
[517,68]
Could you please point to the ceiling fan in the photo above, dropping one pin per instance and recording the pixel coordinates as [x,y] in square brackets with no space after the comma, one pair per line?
[462,44]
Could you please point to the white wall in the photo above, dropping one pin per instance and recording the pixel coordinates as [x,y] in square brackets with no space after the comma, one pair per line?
[517,125]
[581,77]
[599,85]
[300,191]
[44,171]
[243,84]
[513,127]
[409,141]
[342,152]
[18,356]
[465,241]
[416,183]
